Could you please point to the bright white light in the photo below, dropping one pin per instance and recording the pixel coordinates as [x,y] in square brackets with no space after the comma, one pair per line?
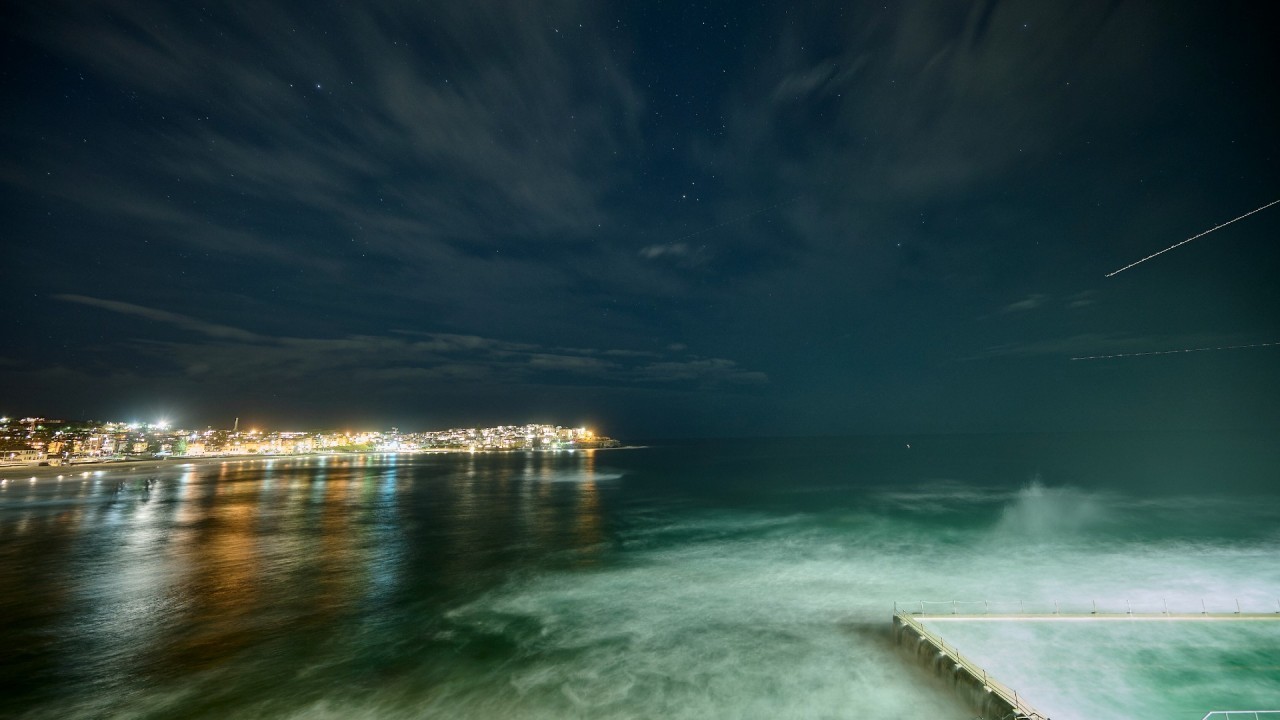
[1194,237]
[1174,352]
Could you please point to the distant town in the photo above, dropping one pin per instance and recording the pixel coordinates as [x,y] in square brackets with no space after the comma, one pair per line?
[44,441]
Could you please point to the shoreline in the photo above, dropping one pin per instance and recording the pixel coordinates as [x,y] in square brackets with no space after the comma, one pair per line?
[35,472]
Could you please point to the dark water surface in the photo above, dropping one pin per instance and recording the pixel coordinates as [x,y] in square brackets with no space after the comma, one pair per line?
[725,579]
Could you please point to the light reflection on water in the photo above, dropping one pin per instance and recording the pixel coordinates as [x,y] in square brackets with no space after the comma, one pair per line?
[139,577]
[677,583]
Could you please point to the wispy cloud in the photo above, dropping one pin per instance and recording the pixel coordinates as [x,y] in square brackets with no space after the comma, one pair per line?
[951,95]
[652,252]
[1030,302]
[229,353]
[415,137]
[213,330]
[700,370]
[1084,299]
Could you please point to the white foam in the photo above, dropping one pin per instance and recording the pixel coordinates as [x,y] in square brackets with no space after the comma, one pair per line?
[750,615]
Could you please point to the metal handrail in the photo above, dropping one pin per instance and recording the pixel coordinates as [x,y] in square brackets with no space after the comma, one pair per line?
[1228,713]
[985,607]
[1006,693]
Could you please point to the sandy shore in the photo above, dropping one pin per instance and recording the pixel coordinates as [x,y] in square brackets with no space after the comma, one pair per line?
[26,472]
[116,467]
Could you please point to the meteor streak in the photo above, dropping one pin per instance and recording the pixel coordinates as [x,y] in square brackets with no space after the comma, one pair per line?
[1184,242]
[1174,352]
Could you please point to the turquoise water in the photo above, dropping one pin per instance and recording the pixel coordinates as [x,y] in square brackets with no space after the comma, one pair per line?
[1119,669]
[728,579]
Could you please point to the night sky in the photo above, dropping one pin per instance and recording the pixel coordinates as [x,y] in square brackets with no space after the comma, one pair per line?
[653,218]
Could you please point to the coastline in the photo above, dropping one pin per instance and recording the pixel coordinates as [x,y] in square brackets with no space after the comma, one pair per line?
[11,473]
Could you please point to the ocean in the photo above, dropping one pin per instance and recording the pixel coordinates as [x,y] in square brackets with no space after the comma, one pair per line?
[713,579]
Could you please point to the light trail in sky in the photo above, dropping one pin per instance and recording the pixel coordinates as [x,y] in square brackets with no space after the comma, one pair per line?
[1176,352]
[1184,242]
[740,219]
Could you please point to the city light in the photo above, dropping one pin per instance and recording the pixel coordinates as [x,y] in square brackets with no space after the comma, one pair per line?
[43,441]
